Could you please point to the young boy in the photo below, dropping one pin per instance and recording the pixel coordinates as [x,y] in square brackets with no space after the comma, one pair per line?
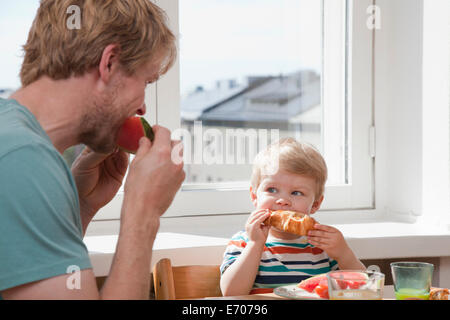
[262,258]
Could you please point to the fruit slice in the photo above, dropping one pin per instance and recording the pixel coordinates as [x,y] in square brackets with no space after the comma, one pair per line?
[322,288]
[319,283]
[132,130]
[311,283]
[353,280]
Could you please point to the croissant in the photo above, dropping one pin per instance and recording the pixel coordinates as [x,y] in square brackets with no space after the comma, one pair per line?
[439,294]
[291,221]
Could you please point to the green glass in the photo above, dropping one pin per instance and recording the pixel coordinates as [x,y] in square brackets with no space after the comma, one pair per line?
[412,280]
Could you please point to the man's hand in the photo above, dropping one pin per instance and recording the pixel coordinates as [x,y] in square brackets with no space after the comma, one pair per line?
[98,178]
[154,177]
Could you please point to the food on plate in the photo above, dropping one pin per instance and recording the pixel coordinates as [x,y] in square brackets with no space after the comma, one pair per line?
[322,289]
[353,280]
[291,221]
[132,130]
[439,294]
[319,284]
[311,283]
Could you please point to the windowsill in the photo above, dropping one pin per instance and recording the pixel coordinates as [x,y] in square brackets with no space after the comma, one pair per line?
[375,239]
[180,248]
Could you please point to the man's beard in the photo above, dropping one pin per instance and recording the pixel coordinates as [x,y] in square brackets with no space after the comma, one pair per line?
[100,126]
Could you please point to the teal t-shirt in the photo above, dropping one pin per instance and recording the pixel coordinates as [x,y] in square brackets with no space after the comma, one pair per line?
[40,226]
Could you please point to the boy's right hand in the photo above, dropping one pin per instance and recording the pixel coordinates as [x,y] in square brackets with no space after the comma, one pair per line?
[153,177]
[255,229]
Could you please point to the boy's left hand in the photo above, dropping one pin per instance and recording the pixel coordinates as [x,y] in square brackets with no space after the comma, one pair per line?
[328,239]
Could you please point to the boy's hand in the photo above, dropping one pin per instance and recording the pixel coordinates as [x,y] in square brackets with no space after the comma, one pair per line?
[328,239]
[256,231]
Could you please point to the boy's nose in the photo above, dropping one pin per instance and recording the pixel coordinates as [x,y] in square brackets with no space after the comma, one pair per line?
[283,202]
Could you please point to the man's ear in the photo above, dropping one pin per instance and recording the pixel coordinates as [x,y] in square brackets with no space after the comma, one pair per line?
[109,62]
[253,197]
[316,205]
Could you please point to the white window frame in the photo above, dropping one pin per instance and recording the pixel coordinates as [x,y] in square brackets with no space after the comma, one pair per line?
[163,100]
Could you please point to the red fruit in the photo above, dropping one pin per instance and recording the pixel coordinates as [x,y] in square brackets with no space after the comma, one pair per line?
[319,283]
[353,280]
[322,289]
[132,130]
[311,283]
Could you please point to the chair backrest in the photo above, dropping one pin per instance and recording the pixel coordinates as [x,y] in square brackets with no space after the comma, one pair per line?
[185,282]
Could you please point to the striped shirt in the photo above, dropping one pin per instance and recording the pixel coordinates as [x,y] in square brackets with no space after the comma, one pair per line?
[283,262]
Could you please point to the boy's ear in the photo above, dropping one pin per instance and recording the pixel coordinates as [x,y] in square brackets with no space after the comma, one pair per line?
[253,196]
[316,204]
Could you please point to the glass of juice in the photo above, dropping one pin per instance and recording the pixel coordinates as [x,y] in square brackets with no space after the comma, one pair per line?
[412,280]
[355,285]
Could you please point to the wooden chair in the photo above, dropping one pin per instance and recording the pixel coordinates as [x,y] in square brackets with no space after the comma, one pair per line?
[185,282]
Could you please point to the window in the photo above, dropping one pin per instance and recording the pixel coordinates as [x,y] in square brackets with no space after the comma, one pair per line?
[303,68]
[247,81]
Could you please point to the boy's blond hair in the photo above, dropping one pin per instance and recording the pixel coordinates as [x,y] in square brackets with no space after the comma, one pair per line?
[294,157]
[53,49]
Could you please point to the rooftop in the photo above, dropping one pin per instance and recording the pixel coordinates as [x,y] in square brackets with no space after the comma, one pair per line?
[263,99]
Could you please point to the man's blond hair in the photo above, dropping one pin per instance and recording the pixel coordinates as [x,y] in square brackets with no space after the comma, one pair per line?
[53,49]
[294,157]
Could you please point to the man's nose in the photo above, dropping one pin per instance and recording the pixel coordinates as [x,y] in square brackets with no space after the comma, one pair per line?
[141,111]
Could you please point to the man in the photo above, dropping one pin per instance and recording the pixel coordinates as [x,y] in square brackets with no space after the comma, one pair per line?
[79,85]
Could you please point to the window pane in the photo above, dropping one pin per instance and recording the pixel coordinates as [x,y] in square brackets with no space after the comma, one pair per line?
[254,66]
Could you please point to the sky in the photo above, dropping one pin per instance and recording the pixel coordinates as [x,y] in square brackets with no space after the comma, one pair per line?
[219,39]
[16,18]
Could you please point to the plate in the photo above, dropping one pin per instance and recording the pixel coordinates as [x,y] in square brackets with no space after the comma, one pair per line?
[294,292]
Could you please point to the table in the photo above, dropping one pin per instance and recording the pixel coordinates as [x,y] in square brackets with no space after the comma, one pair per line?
[388,294]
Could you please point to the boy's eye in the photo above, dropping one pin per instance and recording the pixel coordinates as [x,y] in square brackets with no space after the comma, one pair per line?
[297,193]
[271,190]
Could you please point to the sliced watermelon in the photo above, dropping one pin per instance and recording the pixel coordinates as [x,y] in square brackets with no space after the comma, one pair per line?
[311,283]
[353,280]
[319,283]
[132,130]
[322,289]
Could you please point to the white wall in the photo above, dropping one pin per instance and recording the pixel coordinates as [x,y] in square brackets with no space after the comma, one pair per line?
[436,111]
[398,105]
[412,108]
